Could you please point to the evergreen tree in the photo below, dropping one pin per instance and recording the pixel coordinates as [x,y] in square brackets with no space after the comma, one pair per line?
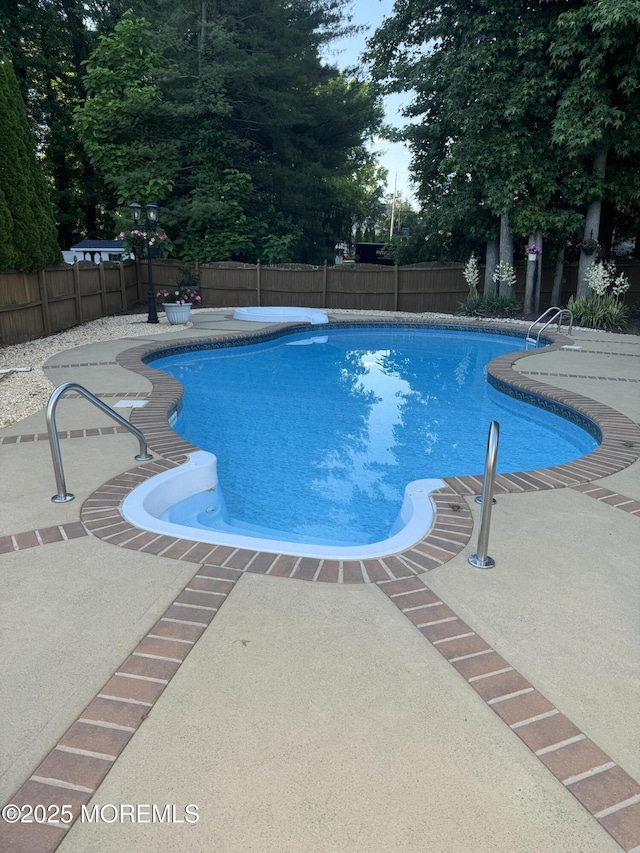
[256,146]
[25,207]
[48,44]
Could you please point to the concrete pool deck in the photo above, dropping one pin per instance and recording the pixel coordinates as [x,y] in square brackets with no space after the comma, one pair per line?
[396,709]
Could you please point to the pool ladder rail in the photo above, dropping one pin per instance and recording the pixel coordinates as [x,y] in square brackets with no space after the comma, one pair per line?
[62,495]
[481,559]
[557,315]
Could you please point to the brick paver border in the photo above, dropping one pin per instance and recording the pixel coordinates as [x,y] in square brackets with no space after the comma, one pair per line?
[73,770]
[76,766]
[452,528]
[619,436]
[619,447]
[606,791]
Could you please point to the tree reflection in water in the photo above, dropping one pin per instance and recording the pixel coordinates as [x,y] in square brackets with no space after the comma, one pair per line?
[321,440]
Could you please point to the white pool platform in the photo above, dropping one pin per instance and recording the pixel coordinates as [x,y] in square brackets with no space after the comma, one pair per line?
[145,505]
[280,314]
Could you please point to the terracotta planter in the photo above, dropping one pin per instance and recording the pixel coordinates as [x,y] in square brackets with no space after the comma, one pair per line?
[176,314]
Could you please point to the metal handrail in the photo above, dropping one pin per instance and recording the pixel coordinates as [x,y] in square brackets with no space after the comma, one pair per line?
[559,314]
[62,495]
[481,560]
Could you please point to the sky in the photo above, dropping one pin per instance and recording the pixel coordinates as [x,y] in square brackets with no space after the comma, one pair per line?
[345,53]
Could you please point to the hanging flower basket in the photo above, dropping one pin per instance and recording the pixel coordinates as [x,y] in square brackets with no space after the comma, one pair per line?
[144,244]
[589,246]
[177,314]
[532,256]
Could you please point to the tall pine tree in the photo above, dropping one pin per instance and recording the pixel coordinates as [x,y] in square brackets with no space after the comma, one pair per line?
[226,113]
[27,228]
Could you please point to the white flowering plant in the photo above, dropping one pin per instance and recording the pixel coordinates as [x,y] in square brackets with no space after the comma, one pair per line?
[602,280]
[602,308]
[505,274]
[471,274]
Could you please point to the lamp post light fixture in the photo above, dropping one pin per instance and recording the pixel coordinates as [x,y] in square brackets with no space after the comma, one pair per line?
[152,222]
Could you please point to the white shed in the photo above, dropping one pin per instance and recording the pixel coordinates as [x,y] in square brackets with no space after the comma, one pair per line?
[96,251]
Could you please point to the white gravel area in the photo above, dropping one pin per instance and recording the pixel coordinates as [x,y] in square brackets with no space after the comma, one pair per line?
[24,393]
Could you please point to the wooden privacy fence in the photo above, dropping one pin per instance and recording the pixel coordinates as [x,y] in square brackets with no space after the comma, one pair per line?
[361,287]
[36,304]
[365,287]
[41,303]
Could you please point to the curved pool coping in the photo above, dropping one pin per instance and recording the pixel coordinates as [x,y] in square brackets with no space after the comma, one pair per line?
[452,525]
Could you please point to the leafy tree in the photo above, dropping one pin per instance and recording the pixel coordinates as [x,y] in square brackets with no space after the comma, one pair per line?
[363,202]
[27,229]
[120,123]
[595,48]
[503,129]
[478,88]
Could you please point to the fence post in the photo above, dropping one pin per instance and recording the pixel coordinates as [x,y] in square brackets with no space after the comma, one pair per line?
[42,282]
[258,296]
[77,290]
[323,303]
[396,286]
[103,288]
[123,287]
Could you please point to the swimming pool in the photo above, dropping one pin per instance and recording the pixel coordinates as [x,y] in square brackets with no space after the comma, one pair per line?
[317,439]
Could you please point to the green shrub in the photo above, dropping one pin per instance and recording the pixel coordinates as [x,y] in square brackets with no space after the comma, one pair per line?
[489,306]
[186,275]
[599,312]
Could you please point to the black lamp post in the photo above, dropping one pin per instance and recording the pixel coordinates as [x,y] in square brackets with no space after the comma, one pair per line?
[152,222]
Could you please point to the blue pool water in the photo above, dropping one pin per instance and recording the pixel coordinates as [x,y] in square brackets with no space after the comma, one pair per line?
[317,436]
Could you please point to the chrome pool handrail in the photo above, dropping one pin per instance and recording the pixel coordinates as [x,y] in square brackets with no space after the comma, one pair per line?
[559,314]
[481,560]
[62,495]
